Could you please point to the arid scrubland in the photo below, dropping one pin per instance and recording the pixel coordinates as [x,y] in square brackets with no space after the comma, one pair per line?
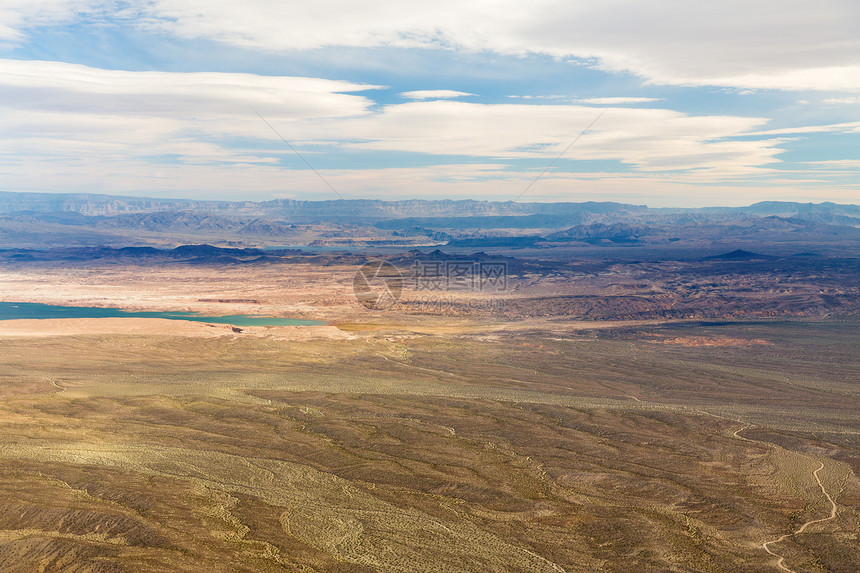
[387,441]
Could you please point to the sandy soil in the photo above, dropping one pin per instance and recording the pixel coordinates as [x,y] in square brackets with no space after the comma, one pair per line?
[597,292]
[296,291]
[292,291]
[159,327]
[416,443]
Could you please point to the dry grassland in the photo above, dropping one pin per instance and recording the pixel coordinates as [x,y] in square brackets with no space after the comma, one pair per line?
[383,443]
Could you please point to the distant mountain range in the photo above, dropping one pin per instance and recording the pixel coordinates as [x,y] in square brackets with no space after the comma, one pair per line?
[314,211]
[354,210]
[42,220]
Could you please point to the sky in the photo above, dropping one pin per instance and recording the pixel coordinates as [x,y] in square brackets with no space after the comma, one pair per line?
[661,103]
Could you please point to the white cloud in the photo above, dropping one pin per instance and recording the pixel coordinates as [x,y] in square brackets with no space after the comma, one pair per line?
[648,139]
[767,44]
[851,164]
[556,97]
[848,100]
[18,15]
[848,127]
[481,181]
[62,86]
[82,121]
[617,100]
[68,127]
[170,113]
[434,94]
[845,77]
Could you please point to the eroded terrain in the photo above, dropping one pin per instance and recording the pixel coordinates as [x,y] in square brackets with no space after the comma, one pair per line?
[392,442]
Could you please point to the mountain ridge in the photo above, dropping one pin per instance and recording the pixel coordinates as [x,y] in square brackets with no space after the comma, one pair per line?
[45,220]
[92,204]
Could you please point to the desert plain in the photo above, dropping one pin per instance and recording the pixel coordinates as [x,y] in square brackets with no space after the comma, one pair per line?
[677,425]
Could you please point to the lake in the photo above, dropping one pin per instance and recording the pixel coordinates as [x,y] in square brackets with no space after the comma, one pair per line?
[31,310]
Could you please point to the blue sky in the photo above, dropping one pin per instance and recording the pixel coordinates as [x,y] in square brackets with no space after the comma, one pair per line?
[721,104]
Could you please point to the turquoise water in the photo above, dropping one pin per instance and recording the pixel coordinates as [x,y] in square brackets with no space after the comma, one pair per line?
[18,310]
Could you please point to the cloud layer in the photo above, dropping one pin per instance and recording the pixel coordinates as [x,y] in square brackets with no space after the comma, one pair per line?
[767,44]
[56,105]
[144,131]
[70,126]
[434,94]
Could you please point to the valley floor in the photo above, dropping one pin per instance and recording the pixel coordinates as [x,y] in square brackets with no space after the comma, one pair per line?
[383,442]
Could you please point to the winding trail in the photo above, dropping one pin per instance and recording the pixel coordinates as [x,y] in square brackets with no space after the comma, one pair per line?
[55,385]
[781,558]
